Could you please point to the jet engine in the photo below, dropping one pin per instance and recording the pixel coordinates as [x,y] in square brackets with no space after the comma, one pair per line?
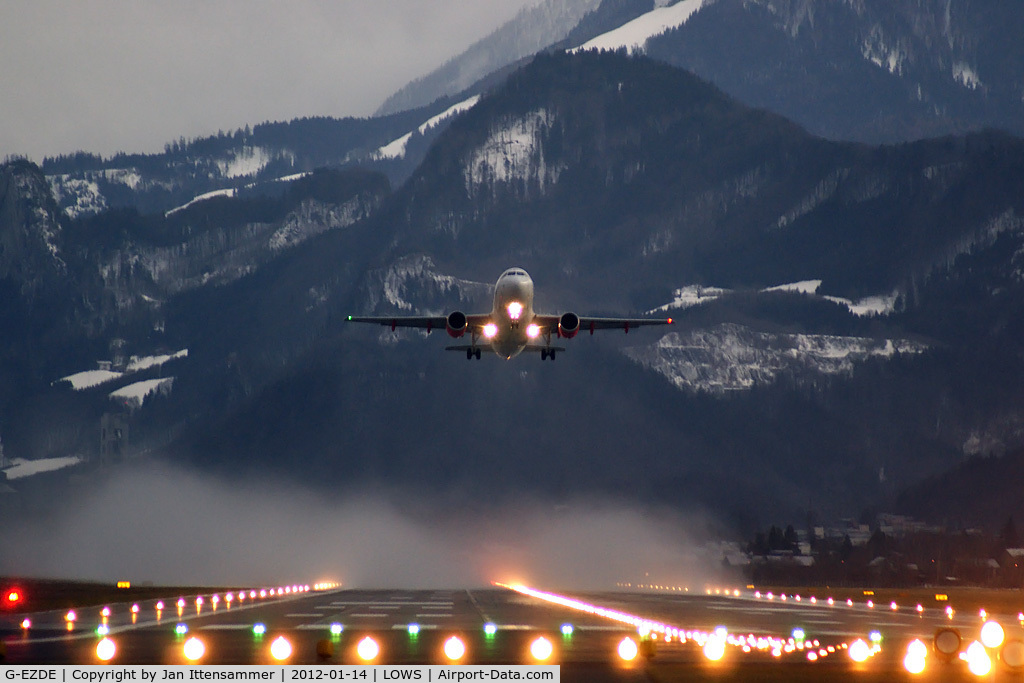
[568,325]
[456,323]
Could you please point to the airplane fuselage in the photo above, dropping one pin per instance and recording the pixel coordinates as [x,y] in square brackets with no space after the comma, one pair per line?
[512,315]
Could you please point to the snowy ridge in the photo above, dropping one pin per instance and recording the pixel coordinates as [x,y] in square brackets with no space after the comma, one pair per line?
[513,152]
[396,148]
[633,35]
[730,357]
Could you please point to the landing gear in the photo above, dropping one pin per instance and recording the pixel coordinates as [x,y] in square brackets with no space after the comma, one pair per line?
[547,353]
[472,353]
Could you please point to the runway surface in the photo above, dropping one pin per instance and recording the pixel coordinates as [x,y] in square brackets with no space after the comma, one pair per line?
[786,640]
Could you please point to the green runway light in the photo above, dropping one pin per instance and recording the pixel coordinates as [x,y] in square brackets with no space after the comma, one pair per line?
[414,629]
[181,629]
[350,318]
[336,629]
[102,630]
[567,630]
[490,629]
[875,636]
[798,634]
[258,629]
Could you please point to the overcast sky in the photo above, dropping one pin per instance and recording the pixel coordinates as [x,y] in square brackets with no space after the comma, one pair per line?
[123,75]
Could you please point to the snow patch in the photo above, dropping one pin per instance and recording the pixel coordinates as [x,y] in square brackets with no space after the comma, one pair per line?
[21,467]
[226,192]
[90,378]
[878,52]
[512,153]
[731,357]
[966,75]
[135,364]
[78,196]
[633,35]
[396,148]
[690,295]
[135,394]
[248,161]
[802,287]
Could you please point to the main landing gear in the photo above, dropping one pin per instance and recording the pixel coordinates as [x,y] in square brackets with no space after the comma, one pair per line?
[472,353]
[547,353]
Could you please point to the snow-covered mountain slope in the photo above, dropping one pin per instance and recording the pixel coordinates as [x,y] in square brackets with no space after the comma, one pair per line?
[633,35]
[397,147]
[731,357]
[533,29]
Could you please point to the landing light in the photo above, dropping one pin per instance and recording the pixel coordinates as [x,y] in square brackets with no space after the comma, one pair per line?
[490,330]
[367,649]
[515,309]
[628,649]
[281,649]
[194,649]
[454,648]
[105,650]
[541,649]
[992,634]
[859,651]
[532,330]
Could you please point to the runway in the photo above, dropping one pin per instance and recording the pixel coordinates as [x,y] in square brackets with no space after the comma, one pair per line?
[763,638]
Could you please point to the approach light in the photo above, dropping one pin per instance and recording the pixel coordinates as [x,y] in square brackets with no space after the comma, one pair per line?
[367,649]
[26,623]
[541,648]
[280,649]
[193,649]
[105,650]
[70,616]
[159,605]
[135,609]
[978,661]
[714,648]
[490,330]
[13,597]
[992,634]
[859,651]
[628,649]
[454,648]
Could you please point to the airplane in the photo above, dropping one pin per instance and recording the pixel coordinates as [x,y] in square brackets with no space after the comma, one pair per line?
[512,326]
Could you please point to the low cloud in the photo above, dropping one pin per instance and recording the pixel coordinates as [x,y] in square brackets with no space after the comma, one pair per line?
[153,522]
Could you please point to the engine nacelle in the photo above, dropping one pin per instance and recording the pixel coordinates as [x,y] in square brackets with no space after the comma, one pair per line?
[568,325]
[456,324]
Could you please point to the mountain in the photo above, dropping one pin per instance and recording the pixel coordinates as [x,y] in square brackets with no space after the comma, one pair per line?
[848,315]
[874,71]
[530,31]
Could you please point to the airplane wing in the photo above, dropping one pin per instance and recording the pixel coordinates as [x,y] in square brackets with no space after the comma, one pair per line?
[427,322]
[590,324]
